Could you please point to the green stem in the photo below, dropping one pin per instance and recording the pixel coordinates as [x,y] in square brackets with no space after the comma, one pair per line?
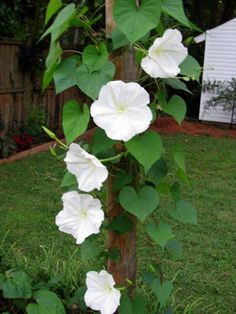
[113,157]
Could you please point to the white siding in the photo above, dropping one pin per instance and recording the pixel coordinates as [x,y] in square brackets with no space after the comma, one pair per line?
[220,65]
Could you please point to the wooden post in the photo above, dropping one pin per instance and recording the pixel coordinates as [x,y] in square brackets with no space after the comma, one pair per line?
[126,266]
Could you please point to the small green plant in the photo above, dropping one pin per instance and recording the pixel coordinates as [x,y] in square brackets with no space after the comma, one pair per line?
[17,286]
[36,117]
[225,94]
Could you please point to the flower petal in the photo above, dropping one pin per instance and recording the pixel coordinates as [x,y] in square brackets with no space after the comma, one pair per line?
[89,171]
[101,294]
[165,55]
[118,105]
[81,215]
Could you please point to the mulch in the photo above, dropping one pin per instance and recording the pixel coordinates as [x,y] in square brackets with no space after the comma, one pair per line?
[163,125]
[168,126]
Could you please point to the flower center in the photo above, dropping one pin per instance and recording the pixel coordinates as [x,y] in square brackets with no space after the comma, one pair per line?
[158,51]
[121,108]
[83,213]
[108,289]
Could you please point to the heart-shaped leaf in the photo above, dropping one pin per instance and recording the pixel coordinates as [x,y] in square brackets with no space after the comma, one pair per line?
[47,302]
[101,142]
[140,204]
[177,84]
[158,171]
[61,22]
[122,179]
[52,8]
[121,224]
[176,10]
[162,290]
[69,180]
[95,56]
[146,148]
[185,212]
[17,285]
[135,306]
[91,83]
[135,21]
[65,75]
[74,121]
[176,107]
[174,247]
[118,38]
[161,234]
[191,68]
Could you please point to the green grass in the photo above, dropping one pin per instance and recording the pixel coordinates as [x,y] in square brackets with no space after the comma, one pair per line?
[206,282]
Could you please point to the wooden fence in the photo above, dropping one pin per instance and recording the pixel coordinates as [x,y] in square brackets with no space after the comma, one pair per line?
[19,95]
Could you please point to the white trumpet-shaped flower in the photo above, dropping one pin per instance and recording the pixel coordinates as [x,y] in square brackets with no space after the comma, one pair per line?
[122,110]
[81,215]
[165,55]
[101,294]
[89,171]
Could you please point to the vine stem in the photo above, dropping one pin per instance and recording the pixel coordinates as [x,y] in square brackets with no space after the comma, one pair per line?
[113,157]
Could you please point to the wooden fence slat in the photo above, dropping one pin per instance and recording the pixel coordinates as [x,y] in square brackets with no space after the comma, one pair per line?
[17,92]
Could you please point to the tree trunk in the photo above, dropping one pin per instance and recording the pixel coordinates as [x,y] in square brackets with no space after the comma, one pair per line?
[126,266]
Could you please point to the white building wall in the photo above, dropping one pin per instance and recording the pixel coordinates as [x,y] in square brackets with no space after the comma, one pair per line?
[220,65]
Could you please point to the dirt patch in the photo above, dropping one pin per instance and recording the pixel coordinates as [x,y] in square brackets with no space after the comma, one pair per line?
[167,125]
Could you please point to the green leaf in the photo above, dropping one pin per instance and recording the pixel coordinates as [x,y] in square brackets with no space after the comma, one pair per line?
[52,8]
[125,305]
[140,204]
[176,10]
[185,212]
[91,83]
[178,155]
[74,121]
[161,234]
[17,285]
[2,280]
[135,22]
[162,290]
[90,248]
[95,56]
[68,180]
[163,188]
[176,84]
[114,254]
[146,148]
[174,247]
[122,179]
[121,224]
[62,19]
[65,75]
[47,303]
[176,107]
[176,191]
[158,171]
[101,142]
[135,306]
[54,55]
[191,68]
[148,278]
[139,304]
[118,38]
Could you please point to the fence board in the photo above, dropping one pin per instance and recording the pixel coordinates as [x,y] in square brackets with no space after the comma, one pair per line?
[18,94]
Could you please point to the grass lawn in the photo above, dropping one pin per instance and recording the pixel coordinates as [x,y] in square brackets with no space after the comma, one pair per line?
[206,279]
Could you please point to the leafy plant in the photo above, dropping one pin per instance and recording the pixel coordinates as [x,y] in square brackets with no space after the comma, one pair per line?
[122,112]
[225,94]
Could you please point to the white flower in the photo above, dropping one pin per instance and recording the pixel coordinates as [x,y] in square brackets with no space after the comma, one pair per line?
[89,171]
[165,55]
[121,110]
[81,215]
[101,294]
